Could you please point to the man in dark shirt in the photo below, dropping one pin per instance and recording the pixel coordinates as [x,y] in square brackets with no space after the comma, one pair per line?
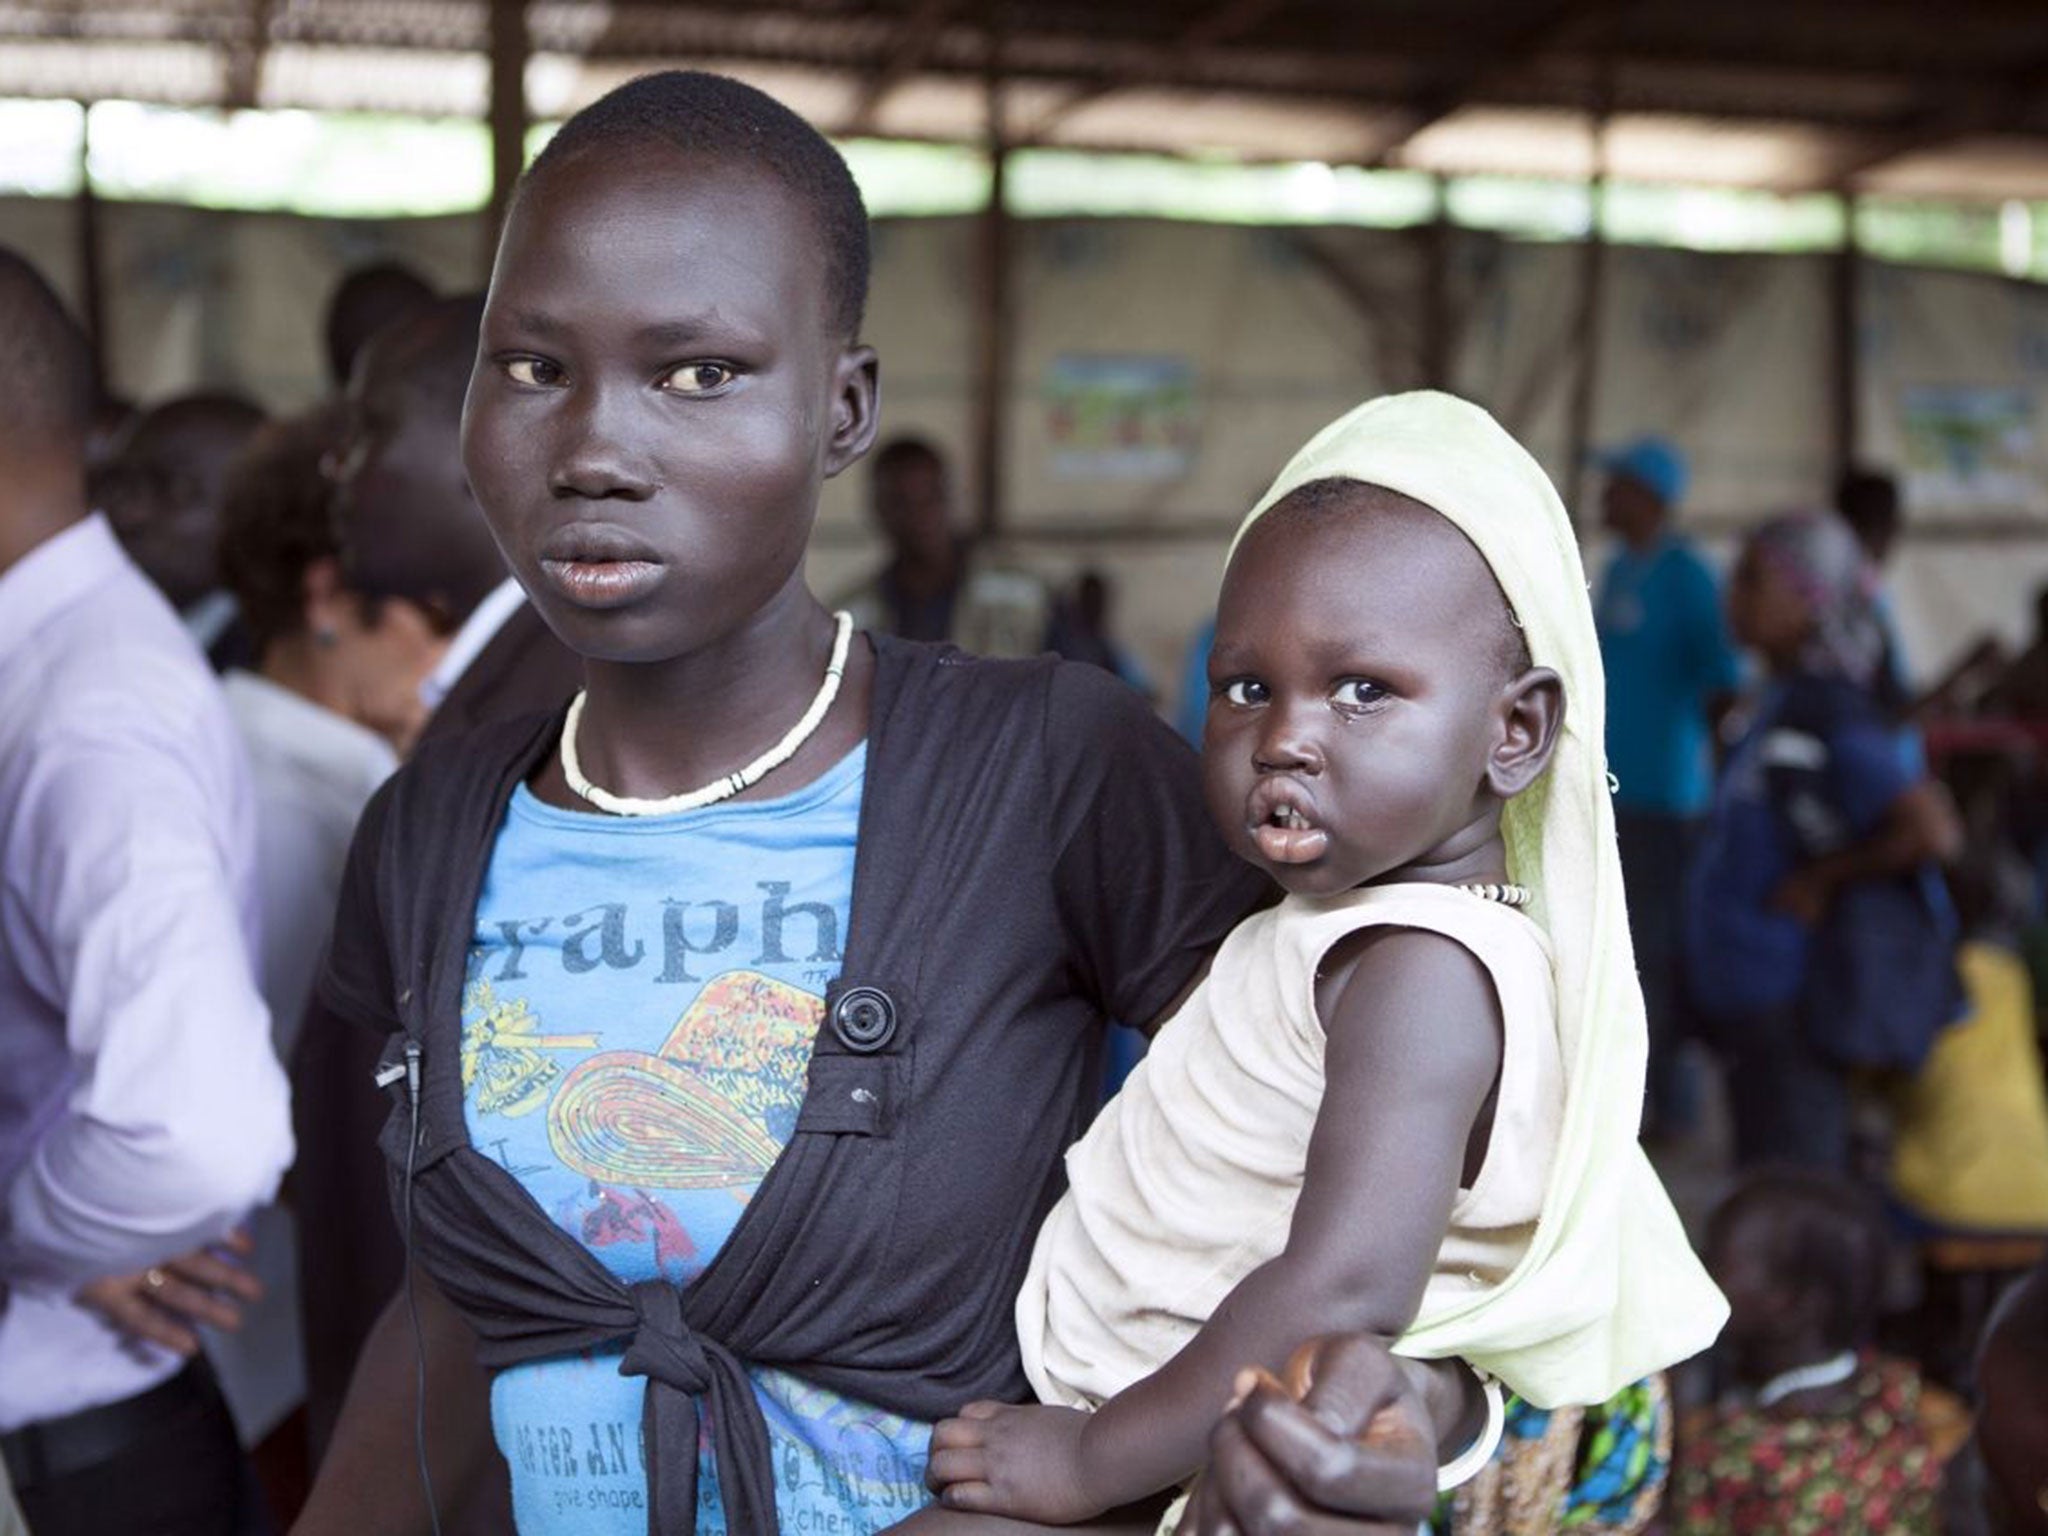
[934,587]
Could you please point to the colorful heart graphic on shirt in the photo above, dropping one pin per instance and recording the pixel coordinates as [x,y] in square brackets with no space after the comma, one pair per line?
[710,1109]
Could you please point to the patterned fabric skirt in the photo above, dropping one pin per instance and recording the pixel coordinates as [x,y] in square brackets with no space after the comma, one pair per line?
[1601,1471]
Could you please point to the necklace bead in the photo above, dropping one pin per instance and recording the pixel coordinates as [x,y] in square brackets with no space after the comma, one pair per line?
[1506,895]
[732,783]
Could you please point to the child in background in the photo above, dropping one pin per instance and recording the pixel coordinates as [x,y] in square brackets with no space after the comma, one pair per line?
[1404,1100]
[1820,1434]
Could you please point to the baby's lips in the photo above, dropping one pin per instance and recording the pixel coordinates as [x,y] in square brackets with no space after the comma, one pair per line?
[1290,845]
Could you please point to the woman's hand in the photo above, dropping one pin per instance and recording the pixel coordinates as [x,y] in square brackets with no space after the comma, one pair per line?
[1027,1463]
[1346,1447]
[164,1304]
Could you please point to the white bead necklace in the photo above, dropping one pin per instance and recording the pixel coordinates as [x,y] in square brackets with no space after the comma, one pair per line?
[1506,895]
[732,783]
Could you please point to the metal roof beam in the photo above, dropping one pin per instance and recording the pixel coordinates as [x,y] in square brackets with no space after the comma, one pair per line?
[1217,25]
[936,37]
[1222,46]
[244,72]
[912,46]
[1998,105]
[1556,25]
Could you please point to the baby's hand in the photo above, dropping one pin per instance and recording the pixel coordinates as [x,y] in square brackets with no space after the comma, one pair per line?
[1022,1462]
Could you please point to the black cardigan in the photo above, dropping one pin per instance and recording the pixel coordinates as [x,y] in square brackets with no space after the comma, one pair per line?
[1033,860]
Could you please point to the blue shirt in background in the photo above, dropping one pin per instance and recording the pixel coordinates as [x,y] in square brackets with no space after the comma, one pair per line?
[1665,648]
[637,1033]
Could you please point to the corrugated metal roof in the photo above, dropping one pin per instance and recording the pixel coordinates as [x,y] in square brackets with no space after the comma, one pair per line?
[1899,96]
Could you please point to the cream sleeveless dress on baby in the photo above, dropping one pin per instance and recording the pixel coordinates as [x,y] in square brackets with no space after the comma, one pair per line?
[1187,1181]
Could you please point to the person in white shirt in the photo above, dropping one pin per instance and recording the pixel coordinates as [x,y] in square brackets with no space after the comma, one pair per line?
[142,1111]
[332,701]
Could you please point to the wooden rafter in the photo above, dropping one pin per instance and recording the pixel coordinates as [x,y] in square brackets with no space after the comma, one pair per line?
[2000,104]
[1212,28]
[907,54]
[1555,25]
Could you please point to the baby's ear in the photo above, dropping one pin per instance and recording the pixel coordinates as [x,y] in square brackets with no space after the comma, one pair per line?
[856,408]
[1531,713]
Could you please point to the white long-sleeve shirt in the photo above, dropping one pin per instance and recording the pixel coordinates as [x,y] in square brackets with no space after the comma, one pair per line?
[312,771]
[142,1110]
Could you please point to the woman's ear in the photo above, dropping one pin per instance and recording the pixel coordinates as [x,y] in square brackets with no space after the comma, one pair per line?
[1531,714]
[856,408]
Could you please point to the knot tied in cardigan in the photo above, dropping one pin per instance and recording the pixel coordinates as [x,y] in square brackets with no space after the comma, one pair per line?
[663,1347]
[681,1366]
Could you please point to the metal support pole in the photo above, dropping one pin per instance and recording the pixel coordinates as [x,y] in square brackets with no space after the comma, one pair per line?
[1592,288]
[510,46]
[993,360]
[92,306]
[1844,376]
[245,55]
[1437,237]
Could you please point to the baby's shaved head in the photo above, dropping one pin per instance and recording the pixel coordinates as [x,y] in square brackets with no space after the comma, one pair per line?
[1322,502]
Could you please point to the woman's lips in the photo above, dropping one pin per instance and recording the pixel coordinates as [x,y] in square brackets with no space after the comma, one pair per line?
[602,583]
[597,564]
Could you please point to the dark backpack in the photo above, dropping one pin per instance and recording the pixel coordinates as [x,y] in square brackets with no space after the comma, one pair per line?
[1881,979]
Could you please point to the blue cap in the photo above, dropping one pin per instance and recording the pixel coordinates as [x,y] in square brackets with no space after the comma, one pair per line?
[1652,460]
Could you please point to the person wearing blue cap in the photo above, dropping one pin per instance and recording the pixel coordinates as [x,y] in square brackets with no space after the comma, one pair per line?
[1669,664]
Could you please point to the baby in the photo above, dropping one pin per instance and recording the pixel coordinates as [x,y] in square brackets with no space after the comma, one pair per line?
[1404,1100]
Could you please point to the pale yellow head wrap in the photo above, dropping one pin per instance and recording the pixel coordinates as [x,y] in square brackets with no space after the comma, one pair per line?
[1610,1290]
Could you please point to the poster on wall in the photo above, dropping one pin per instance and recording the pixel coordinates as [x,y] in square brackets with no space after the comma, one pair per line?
[1972,448]
[1121,416]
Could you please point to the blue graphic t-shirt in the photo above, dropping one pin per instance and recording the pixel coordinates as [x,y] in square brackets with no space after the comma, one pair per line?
[637,1031]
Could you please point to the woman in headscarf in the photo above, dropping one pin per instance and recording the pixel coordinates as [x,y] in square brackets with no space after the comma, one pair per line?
[1815,804]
